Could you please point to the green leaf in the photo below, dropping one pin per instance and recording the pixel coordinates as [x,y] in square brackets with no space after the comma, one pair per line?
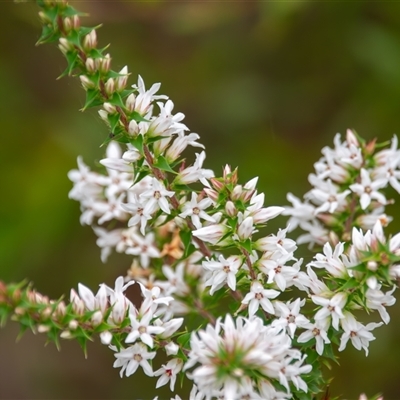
[113,119]
[91,99]
[116,100]
[137,142]
[184,339]
[162,164]
[72,60]
[48,35]
[350,284]
[247,245]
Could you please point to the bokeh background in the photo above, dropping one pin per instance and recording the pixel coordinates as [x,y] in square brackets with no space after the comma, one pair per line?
[265,84]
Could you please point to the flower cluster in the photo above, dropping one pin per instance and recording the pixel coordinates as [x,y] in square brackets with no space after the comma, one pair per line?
[214,282]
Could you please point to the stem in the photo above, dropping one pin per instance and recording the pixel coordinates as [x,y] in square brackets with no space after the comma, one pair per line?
[249,263]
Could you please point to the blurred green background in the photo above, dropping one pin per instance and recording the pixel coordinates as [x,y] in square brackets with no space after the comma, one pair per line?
[265,84]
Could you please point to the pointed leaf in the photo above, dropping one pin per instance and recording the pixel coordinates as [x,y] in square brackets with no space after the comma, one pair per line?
[162,164]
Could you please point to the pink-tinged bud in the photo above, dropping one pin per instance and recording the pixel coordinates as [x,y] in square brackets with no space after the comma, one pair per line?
[133,128]
[333,238]
[351,138]
[77,304]
[122,79]
[106,337]
[217,185]
[65,46]
[61,309]
[237,192]
[212,194]
[46,313]
[90,40]
[76,22]
[265,214]
[245,229]
[105,64]
[97,318]
[230,209]
[212,233]
[109,108]
[370,147]
[249,189]
[90,65]
[327,219]
[226,173]
[67,23]
[119,308]
[86,82]
[110,86]
[130,102]
[19,311]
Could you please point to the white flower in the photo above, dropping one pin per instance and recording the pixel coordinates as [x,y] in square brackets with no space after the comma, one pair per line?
[156,196]
[368,190]
[196,172]
[331,261]
[133,357]
[137,208]
[263,350]
[144,248]
[259,296]
[290,317]
[195,210]
[318,331]
[276,243]
[377,300]
[359,334]
[142,330]
[224,270]
[169,372]
[276,269]
[330,308]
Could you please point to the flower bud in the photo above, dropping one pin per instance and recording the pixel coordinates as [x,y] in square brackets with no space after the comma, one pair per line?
[109,108]
[43,328]
[104,64]
[130,102]
[66,335]
[76,22]
[230,209]
[73,324]
[245,229]
[67,24]
[171,349]
[217,185]
[106,337]
[65,46]
[351,138]
[97,318]
[90,65]
[122,79]
[212,194]
[44,18]
[90,40]
[237,192]
[212,233]
[133,128]
[110,86]
[86,82]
